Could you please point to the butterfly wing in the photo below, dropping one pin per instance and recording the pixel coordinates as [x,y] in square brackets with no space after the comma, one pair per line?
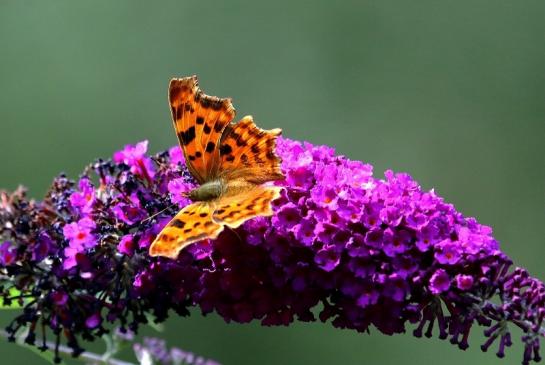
[199,121]
[239,205]
[247,151]
[193,223]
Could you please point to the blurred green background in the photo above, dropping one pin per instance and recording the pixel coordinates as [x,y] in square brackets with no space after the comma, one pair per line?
[452,92]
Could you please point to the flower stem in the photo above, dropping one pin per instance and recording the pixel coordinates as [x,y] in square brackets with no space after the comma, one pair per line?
[85,356]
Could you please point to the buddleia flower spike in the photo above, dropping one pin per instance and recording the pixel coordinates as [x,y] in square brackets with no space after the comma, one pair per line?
[336,244]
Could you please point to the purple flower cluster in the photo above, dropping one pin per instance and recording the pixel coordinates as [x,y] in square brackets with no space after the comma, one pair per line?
[368,251]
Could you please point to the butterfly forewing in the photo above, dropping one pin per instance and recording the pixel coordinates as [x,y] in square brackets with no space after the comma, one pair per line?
[199,121]
[193,223]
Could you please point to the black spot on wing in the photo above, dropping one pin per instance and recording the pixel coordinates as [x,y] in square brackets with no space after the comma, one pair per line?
[218,127]
[177,112]
[225,149]
[178,223]
[210,147]
[188,136]
[205,102]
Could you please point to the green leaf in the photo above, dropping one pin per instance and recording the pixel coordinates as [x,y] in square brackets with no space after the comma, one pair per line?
[15,304]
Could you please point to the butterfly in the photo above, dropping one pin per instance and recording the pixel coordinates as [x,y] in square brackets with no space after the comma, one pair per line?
[230,161]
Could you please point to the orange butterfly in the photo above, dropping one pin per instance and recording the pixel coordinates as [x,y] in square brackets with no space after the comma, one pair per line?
[229,161]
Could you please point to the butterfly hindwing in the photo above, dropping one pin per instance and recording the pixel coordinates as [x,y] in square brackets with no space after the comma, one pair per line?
[233,210]
[193,223]
[199,121]
[248,152]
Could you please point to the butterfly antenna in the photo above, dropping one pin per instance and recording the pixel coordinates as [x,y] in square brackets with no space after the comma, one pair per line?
[156,214]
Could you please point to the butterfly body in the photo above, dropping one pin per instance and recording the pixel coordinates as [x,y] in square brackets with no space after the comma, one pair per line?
[230,161]
[208,191]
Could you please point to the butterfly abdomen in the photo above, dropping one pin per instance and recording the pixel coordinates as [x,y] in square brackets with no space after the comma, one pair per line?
[210,190]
